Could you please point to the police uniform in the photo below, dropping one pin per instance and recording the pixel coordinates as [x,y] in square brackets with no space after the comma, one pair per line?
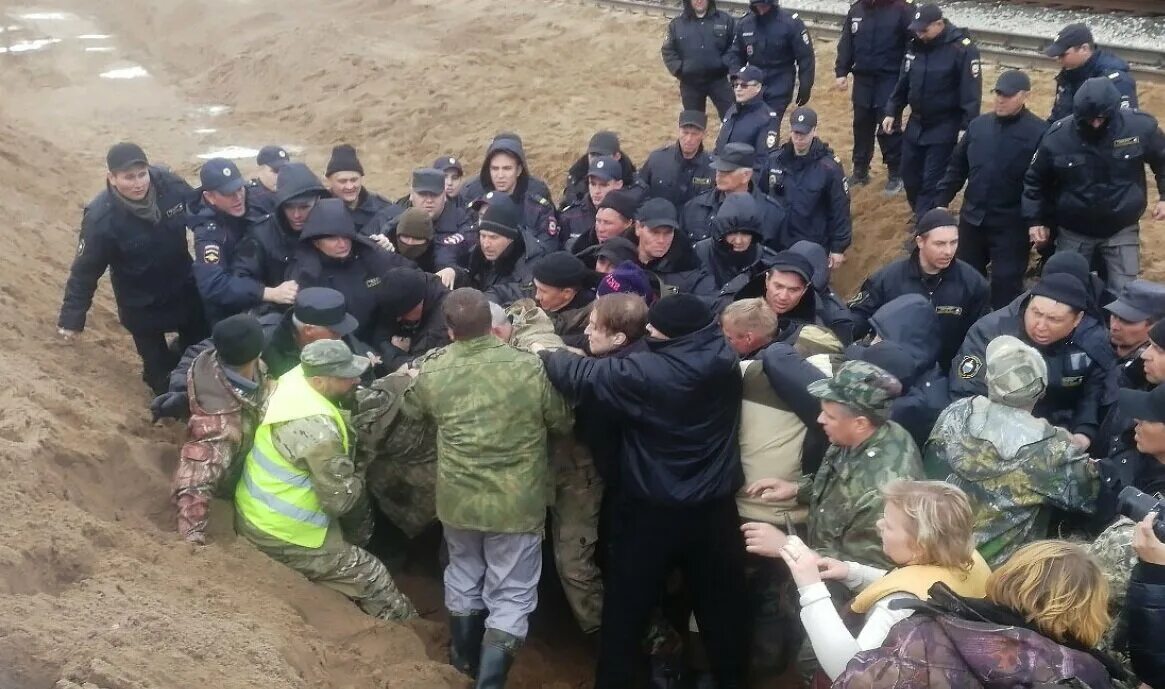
[454,232]
[259,196]
[1101,64]
[815,192]
[265,254]
[940,81]
[779,44]
[694,51]
[150,271]
[698,214]
[992,158]
[755,123]
[872,47]
[667,174]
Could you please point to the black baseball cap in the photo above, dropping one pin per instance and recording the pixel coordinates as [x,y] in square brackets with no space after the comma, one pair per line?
[220,175]
[604,143]
[657,212]
[273,157]
[125,155]
[803,120]
[1070,36]
[1140,300]
[748,73]
[605,167]
[325,307]
[1143,406]
[925,16]
[1012,82]
[428,180]
[734,157]
[447,163]
[693,118]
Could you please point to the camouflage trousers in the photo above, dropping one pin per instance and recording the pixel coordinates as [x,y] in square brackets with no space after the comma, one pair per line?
[196,482]
[578,497]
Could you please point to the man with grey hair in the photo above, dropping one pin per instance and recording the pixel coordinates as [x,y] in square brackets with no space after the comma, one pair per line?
[1014,467]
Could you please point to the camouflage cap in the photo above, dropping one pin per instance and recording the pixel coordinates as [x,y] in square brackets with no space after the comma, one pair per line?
[1017,374]
[332,358]
[861,386]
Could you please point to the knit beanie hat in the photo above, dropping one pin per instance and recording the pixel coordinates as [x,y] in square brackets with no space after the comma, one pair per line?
[400,291]
[1062,288]
[562,269]
[415,223]
[343,160]
[679,315]
[238,339]
[627,278]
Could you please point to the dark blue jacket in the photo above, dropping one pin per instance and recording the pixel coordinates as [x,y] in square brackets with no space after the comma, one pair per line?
[873,38]
[1081,368]
[1101,64]
[779,44]
[1145,613]
[814,189]
[216,238]
[992,158]
[941,81]
[752,122]
[960,296]
[738,213]
[667,174]
[695,48]
[577,189]
[697,216]
[149,265]
[266,253]
[679,411]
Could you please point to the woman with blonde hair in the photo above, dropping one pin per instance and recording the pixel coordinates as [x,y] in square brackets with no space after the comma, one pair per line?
[1044,612]
[925,530]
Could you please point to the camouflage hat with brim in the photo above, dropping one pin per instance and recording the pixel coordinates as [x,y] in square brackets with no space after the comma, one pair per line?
[333,359]
[861,386]
[1017,374]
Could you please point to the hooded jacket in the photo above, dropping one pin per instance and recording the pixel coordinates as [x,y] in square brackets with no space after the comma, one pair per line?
[1101,64]
[1092,182]
[941,82]
[680,270]
[738,213]
[696,48]
[834,313]
[510,277]
[267,252]
[697,216]
[814,190]
[540,216]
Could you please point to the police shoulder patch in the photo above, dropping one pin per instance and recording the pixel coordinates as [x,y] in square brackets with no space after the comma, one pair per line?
[970,366]
[81,247]
[858,298]
[966,41]
[211,253]
[542,201]
[771,140]
[1115,75]
[372,282]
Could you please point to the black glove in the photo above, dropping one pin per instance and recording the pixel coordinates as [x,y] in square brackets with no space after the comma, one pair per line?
[803,92]
[171,405]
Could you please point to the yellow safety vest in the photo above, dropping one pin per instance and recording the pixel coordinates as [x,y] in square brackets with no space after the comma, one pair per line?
[274,495]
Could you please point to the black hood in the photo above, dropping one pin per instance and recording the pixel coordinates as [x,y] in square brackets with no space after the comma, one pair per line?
[817,150]
[514,148]
[691,14]
[296,179]
[910,322]
[817,258]
[1096,97]
[738,213]
[329,218]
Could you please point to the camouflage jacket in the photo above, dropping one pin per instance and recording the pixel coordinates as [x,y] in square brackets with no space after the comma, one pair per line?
[845,498]
[400,455]
[1013,467]
[1113,549]
[223,420]
[492,406]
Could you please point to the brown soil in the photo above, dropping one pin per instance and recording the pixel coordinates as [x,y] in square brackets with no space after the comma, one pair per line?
[95,590]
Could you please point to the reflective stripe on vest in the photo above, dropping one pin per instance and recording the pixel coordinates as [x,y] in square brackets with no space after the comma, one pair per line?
[276,496]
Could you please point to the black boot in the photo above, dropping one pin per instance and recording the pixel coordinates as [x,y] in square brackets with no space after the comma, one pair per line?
[497,655]
[465,632]
[860,177]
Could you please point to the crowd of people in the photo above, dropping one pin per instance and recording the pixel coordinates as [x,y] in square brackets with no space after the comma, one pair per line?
[952,478]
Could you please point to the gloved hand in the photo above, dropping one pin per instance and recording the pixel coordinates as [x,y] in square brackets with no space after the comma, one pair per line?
[803,92]
[171,405]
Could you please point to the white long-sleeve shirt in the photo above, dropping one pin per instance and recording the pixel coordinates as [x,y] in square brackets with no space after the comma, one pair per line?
[833,644]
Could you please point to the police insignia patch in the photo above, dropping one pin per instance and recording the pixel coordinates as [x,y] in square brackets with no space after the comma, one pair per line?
[771,140]
[748,50]
[552,228]
[975,68]
[80,247]
[858,298]
[969,367]
[211,253]
[372,282]
[805,37]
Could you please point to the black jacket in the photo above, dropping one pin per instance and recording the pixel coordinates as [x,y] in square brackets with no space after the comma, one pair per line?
[790,375]
[873,38]
[779,44]
[814,189]
[941,82]
[368,204]
[959,293]
[265,254]
[216,239]
[510,277]
[695,48]
[1120,467]
[1093,182]
[474,189]
[697,216]
[992,158]
[149,265]
[680,270]
[738,213]
[424,335]
[753,122]
[679,411]
[260,196]
[597,426]
[1101,64]
[1145,612]
[576,179]
[454,233]
[666,174]
[1081,368]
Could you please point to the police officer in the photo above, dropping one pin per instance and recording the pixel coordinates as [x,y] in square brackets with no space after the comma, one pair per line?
[345,177]
[1087,180]
[734,169]
[807,176]
[777,42]
[751,121]
[1080,60]
[695,51]
[219,216]
[992,158]
[454,178]
[136,228]
[1081,365]
[261,188]
[602,143]
[681,170]
[504,170]
[940,81]
[604,175]
[1130,319]
[959,293]
[872,47]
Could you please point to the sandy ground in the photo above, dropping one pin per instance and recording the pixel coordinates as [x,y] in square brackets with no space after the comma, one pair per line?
[95,590]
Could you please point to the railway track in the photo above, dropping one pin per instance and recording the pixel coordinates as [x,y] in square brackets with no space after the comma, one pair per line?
[1016,50]
[1145,8]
